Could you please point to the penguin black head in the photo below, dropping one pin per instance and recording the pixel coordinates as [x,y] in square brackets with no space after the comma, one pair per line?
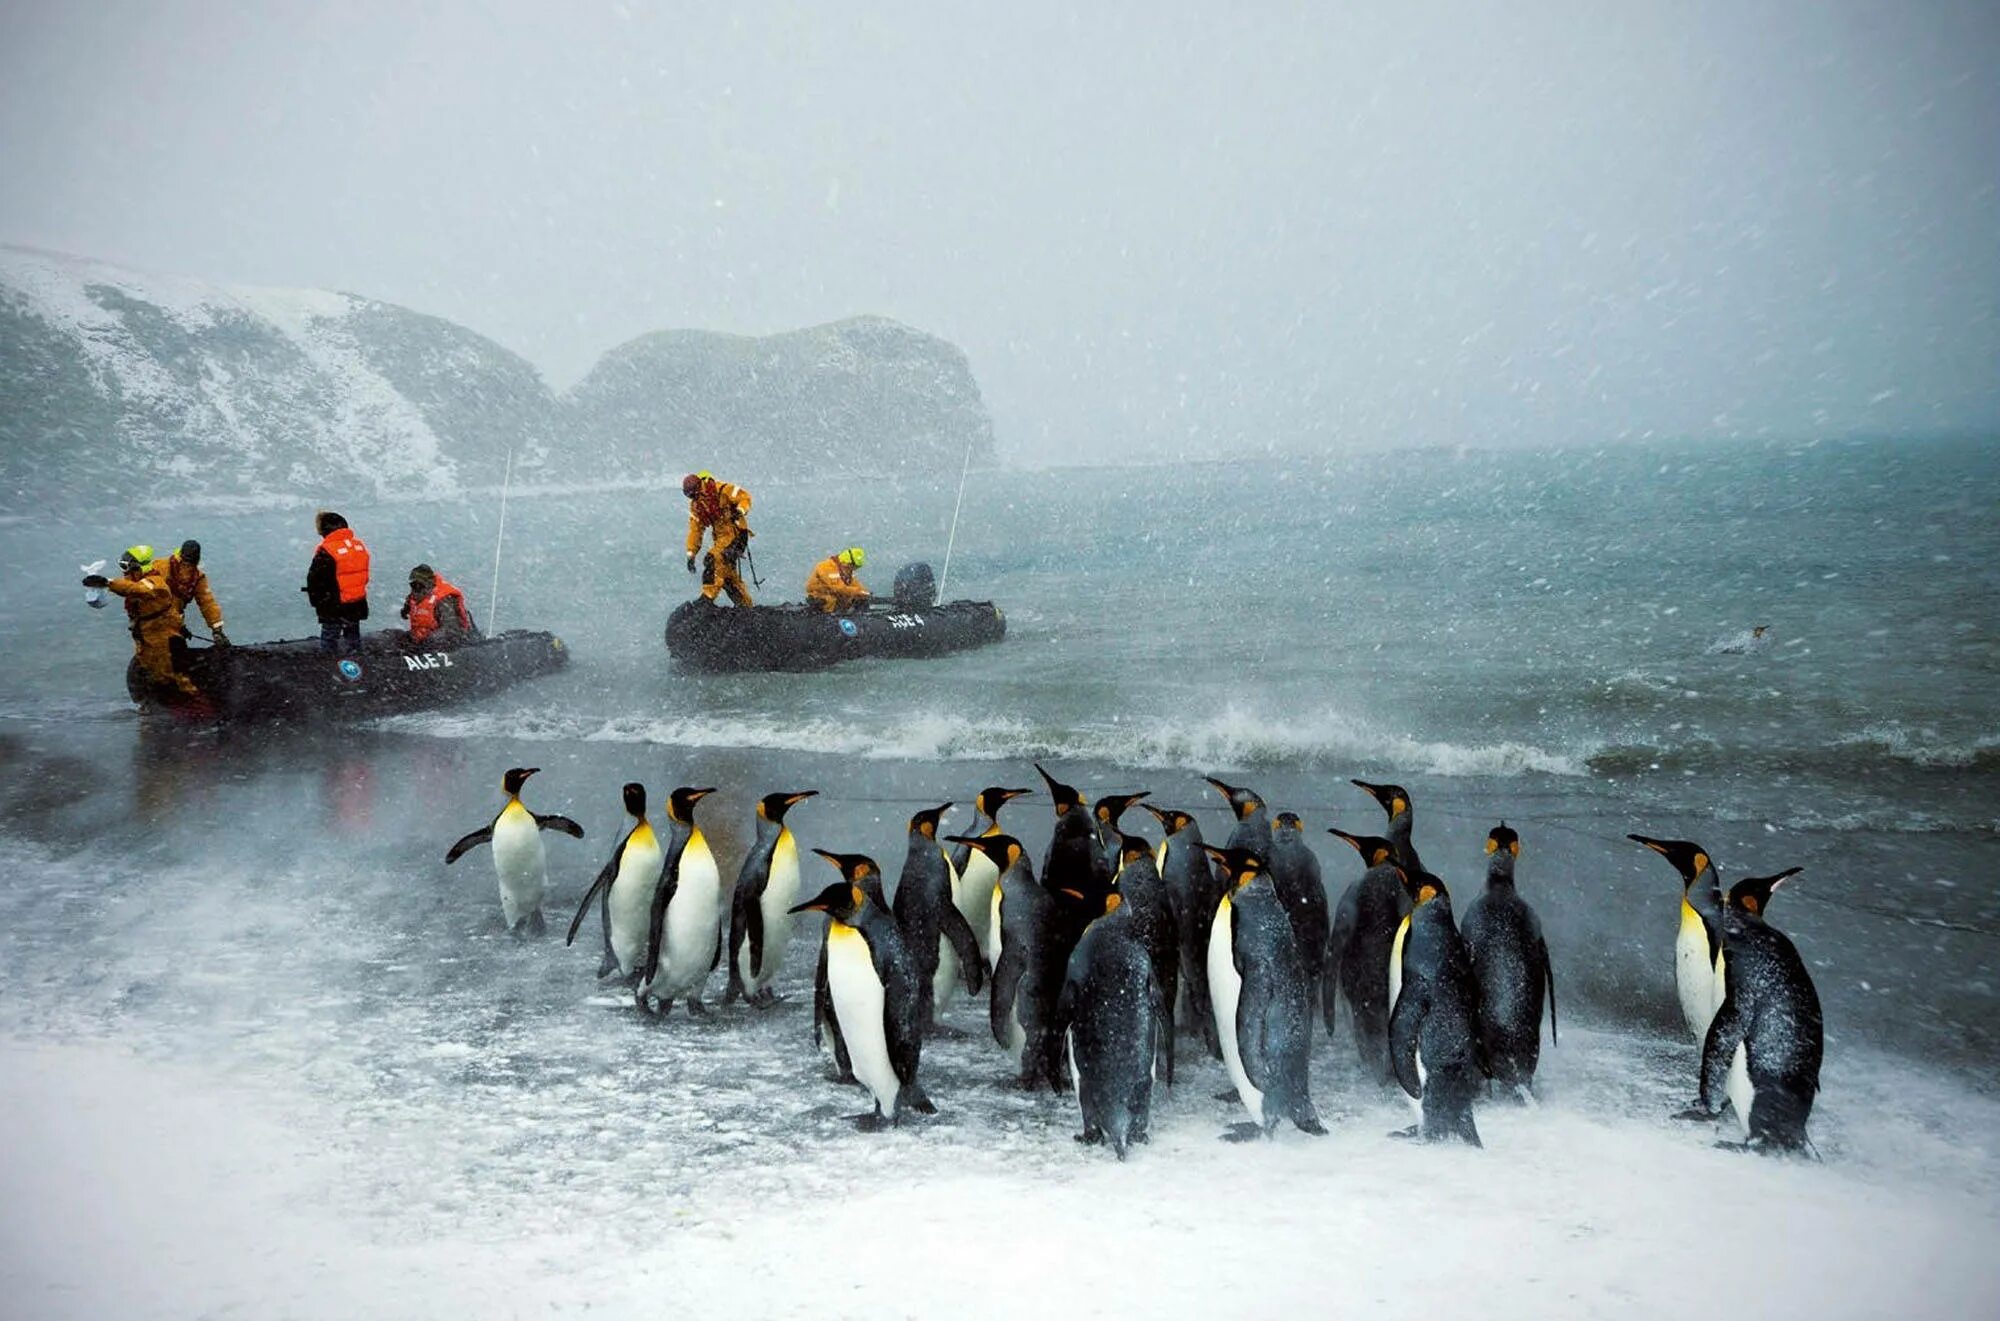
[1242,866]
[1395,799]
[1242,801]
[1003,850]
[854,867]
[1287,821]
[992,799]
[1374,850]
[839,901]
[1065,797]
[1422,887]
[1171,820]
[1502,837]
[1752,895]
[515,778]
[925,823]
[635,798]
[1689,859]
[1112,806]
[772,807]
[1132,847]
[680,804]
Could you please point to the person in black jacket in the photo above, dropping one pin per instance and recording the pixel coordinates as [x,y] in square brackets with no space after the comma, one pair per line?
[337,583]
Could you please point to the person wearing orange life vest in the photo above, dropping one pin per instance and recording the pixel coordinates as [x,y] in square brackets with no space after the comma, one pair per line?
[337,583]
[833,587]
[189,585]
[436,610]
[722,510]
[153,616]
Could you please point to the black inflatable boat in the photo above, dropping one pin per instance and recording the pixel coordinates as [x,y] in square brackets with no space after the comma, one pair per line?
[297,680]
[705,636]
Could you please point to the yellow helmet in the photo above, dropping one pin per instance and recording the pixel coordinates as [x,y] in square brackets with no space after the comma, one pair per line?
[854,557]
[140,556]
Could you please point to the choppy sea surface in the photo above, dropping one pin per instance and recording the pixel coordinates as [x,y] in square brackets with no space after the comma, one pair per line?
[258,920]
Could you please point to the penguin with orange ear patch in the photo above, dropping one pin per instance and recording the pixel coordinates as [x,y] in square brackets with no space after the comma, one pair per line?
[1358,951]
[1434,1026]
[1112,1015]
[1257,988]
[1768,1038]
[873,981]
[1510,963]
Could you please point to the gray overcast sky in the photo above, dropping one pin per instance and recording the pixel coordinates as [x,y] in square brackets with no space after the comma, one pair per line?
[1195,227]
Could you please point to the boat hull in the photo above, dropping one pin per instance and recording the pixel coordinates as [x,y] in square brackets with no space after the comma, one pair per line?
[715,638]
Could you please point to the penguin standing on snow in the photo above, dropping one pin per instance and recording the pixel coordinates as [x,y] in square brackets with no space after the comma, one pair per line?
[1253,819]
[1395,801]
[1699,964]
[1112,1014]
[1147,906]
[826,1025]
[1035,945]
[684,934]
[1768,1038]
[1259,991]
[874,986]
[760,911]
[978,883]
[1510,963]
[1358,953]
[1183,864]
[519,860]
[1295,872]
[624,890]
[935,933]
[1434,1025]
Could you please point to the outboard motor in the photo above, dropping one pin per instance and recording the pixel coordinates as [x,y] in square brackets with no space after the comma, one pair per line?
[915,588]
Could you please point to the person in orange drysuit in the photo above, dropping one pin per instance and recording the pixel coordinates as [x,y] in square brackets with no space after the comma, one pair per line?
[723,511]
[833,586]
[153,615]
[189,585]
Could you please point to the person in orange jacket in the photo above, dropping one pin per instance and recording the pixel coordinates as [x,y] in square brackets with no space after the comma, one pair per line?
[153,616]
[189,585]
[833,586]
[722,510]
[436,610]
[337,583]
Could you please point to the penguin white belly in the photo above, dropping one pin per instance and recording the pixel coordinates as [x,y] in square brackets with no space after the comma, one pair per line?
[1225,988]
[781,891]
[632,899]
[692,923]
[991,944]
[944,985]
[520,863]
[976,892]
[1694,975]
[857,1004]
[1396,964]
[1741,1093]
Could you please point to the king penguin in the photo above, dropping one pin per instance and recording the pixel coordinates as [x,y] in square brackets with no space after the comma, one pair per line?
[1700,967]
[1359,954]
[625,891]
[1510,963]
[1295,871]
[826,1025]
[1149,909]
[1112,1014]
[1107,810]
[519,860]
[1395,801]
[1028,974]
[935,933]
[874,988]
[1768,1038]
[1183,863]
[1075,860]
[760,912]
[978,885]
[1434,1025]
[1253,819]
[1258,988]
[684,935]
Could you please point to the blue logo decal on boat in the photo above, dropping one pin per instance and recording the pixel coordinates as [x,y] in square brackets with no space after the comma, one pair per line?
[847,626]
[350,670]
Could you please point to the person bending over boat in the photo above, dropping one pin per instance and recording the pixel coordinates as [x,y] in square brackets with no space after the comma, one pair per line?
[153,615]
[337,583]
[833,587]
[189,585]
[722,510]
[436,610]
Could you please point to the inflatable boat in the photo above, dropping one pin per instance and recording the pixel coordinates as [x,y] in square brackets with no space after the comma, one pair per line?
[704,636]
[385,674]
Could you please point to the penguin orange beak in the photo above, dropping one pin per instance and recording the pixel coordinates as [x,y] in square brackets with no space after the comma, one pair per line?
[800,796]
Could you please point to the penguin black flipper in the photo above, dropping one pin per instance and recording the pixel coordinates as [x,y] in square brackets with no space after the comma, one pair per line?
[823,1015]
[656,927]
[1006,984]
[753,929]
[1163,1026]
[562,823]
[483,835]
[1406,1022]
[1718,1051]
[1345,919]
[604,879]
[737,936]
[1549,978]
[971,963]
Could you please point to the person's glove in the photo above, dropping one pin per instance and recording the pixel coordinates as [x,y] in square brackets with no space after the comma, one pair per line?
[221,638]
[96,580]
[690,564]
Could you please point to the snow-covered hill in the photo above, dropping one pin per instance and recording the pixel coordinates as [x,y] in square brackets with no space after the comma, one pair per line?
[118,386]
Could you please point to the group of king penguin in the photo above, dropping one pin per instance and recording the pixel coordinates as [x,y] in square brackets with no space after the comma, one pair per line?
[1120,944]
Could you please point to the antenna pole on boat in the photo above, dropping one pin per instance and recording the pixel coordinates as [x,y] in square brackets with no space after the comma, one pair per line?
[952,538]
[493,603]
